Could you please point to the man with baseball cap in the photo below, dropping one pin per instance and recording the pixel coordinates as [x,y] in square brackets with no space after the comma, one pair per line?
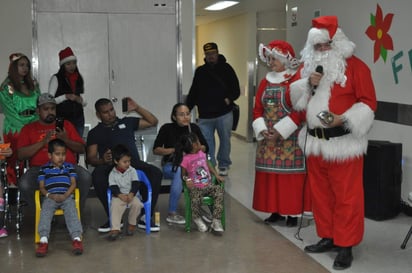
[214,88]
[32,146]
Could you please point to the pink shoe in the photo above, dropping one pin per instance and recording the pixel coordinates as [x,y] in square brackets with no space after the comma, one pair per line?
[3,233]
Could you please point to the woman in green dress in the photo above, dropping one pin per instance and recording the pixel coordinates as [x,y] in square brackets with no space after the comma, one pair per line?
[18,99]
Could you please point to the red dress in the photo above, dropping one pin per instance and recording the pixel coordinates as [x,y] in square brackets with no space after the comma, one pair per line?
[280,179]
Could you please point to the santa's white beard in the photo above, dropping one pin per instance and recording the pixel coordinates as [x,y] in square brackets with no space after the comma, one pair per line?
[333,63]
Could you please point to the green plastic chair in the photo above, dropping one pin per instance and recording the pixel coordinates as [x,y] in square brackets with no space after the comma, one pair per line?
[207,201]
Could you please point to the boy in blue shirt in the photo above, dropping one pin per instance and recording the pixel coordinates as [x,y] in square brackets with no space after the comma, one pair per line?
[57,182]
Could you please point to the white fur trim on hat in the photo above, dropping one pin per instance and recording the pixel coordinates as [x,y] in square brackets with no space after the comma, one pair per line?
[287,59]
[67,59]
[318,36]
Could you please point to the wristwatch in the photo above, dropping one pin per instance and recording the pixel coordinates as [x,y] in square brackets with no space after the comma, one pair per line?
[47,195]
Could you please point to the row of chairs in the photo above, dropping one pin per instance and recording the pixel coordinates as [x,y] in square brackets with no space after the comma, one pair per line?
[207,201]
[147,205]
[14,211]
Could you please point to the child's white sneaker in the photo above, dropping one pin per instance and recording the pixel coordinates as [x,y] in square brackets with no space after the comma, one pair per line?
[217,227]
[200,224]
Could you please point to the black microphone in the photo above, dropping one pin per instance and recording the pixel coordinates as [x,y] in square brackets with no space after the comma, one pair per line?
[318,69]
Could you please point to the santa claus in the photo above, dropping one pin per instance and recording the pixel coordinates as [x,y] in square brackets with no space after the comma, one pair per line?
[336,91]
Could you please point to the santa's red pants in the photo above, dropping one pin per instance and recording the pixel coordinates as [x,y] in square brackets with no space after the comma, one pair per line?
[337,199]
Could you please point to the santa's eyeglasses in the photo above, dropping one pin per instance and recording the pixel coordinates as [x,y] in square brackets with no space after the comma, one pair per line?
[323,46]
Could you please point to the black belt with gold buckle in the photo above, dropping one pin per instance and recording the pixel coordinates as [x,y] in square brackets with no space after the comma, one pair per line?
[27,113]
[327,133]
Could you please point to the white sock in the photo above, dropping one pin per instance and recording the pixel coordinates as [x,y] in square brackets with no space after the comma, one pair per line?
[44,240]
[77,239]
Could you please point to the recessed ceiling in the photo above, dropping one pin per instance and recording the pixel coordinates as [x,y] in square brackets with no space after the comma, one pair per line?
[204,17]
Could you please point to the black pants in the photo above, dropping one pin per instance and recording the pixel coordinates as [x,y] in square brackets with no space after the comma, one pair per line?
[100,178]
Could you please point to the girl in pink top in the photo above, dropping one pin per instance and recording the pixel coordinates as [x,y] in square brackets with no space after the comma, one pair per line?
[196,173]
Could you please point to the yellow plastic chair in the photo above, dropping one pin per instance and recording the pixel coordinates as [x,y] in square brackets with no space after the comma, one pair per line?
[207,201]
[58,212]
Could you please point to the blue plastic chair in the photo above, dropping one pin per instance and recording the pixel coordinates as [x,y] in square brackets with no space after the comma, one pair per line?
[147,205]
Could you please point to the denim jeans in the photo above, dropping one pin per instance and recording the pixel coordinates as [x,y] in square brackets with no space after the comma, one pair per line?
[223,126]
[175,187]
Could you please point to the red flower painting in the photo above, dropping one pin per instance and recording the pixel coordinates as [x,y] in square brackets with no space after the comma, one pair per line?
[378,32]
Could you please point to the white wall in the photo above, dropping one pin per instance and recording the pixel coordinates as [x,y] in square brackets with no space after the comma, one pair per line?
[19,38]
[188,44]
[354,19]
[231,43]
[15,29]
[16,32]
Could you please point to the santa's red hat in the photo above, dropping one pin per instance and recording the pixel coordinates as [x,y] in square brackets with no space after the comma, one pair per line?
[66,55]
[323,29]
[280,50]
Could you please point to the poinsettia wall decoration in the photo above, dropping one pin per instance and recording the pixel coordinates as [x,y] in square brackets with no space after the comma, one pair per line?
[378,32]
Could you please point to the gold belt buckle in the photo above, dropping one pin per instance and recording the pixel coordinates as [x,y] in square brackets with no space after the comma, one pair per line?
[322,136]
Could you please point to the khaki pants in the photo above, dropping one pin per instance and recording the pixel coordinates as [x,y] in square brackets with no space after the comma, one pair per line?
[118,207]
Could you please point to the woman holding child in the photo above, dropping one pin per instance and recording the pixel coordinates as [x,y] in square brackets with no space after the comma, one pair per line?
[164,145]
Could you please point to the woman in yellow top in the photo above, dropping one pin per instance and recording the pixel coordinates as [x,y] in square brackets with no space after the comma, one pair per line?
[18,99]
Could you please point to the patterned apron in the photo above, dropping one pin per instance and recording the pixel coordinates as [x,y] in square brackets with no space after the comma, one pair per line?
[281,156]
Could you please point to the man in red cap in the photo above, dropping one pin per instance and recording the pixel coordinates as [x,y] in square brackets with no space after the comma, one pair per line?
[336,91]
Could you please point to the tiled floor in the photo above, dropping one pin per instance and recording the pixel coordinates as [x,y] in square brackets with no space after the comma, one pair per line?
[248,245]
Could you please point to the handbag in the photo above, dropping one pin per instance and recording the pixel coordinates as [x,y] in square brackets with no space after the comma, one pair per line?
[236,115]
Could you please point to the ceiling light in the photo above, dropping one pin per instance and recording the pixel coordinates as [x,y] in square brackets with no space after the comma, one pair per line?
[221,5]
